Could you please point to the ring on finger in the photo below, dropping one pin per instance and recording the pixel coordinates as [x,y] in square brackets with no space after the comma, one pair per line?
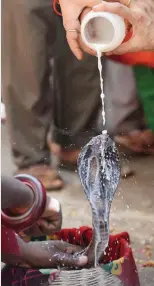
[128,3]
[71,31]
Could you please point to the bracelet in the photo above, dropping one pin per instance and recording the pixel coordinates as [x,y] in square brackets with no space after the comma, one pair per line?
[56,10]
[27,219]
[18,211]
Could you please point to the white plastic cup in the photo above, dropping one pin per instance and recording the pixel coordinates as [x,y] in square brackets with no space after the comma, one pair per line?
[103,31]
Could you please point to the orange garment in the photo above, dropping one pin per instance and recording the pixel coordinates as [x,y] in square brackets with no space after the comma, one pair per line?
[139,58]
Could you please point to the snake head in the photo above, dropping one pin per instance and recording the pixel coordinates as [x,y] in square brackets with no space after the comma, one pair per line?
[99,171]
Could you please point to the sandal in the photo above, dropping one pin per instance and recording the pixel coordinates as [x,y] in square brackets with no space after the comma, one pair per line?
[138,141]
[49,177]
[67,159]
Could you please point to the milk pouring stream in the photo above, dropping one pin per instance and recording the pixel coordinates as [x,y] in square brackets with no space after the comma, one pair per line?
[101,85]
[98,168]
[102,32]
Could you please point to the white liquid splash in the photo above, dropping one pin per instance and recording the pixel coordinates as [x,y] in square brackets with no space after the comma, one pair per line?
[102,87]
[102,95]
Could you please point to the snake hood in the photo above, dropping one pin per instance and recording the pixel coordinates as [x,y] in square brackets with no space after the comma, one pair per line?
[99,171]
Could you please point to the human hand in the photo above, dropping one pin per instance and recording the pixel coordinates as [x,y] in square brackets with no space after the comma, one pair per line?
[82,45]
[71,11]
[50,221]
[140,14]
[51,254]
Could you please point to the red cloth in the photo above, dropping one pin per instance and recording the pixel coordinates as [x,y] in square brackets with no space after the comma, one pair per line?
[118,259]
[118,248]
[82,236]
[140,58]
[9,244]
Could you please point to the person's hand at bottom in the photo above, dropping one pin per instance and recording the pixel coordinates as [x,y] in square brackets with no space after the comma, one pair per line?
[51,254]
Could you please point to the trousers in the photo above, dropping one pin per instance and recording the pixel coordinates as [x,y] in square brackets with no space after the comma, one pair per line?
[44,85]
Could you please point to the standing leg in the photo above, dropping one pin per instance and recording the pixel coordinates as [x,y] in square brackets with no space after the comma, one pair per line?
[76,96]
[25,75]
[123,109]
[125,112]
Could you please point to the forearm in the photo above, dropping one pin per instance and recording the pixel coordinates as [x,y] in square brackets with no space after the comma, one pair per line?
[32,255]
[18,257]
[15,194]
[29,255]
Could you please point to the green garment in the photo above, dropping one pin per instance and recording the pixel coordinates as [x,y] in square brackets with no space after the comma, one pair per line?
[145,84]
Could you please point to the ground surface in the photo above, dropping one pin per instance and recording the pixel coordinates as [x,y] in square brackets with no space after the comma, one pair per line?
[132,210]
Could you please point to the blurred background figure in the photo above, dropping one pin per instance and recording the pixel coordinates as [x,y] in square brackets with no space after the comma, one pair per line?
[52,100]
[53,108]
[45,86]
[130,115]
[130,110]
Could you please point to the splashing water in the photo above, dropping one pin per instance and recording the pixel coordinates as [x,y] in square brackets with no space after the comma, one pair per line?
[100,182]
[98,167]
[102,95]
[99,171]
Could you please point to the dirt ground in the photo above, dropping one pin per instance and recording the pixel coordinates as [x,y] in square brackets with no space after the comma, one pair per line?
[132,209]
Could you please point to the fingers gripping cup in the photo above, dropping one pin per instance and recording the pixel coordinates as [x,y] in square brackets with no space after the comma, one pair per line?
[103,31]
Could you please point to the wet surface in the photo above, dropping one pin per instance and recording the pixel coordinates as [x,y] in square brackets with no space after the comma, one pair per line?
[99,172]
[132,209]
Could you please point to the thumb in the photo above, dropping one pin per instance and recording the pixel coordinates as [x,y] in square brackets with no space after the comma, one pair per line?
[65,259]
[49,227]
[115,8]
